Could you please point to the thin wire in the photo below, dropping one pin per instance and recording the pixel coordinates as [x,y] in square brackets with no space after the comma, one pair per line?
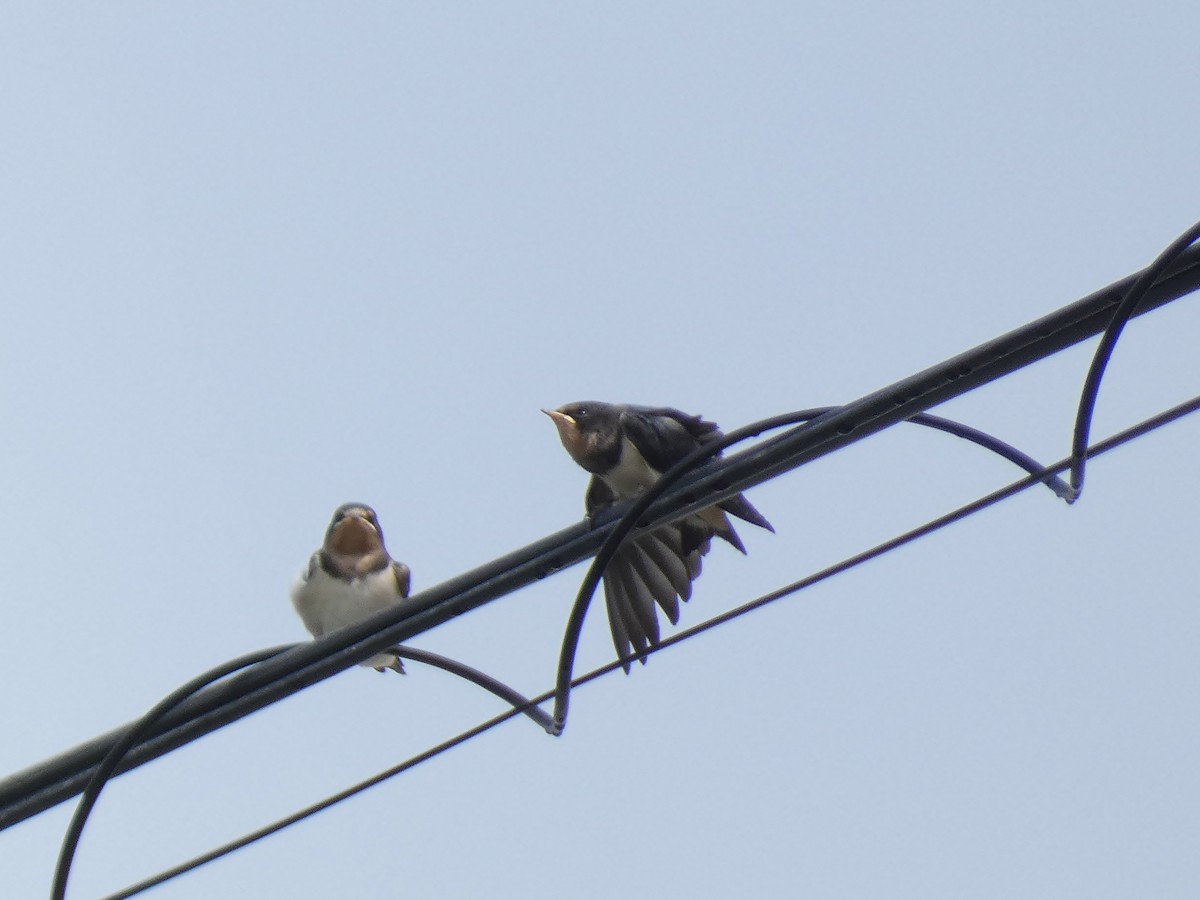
[112,760]
[554,726]
[978,505]
[1108,342]
[518,701]
[1104,446]
[24,794]
[629,519]
[1060,488]
[308,811]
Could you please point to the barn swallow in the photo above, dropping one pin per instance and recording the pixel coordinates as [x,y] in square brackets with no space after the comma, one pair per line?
[626,449]
[351,578]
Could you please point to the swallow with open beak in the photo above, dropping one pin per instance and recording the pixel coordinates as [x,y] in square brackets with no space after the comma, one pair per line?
[626,449]
[351,578]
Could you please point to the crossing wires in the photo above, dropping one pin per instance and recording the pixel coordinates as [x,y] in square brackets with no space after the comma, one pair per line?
[693,485]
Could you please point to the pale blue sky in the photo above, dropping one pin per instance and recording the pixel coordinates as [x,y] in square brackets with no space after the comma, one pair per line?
[263,259]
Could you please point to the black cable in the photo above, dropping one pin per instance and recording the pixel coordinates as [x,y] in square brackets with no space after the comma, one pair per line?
[515,699]
[1110,443]
[49,782]
[1061,489]
[518,701]
[1108,342]
[87,800]
[629,518]
[308,811]
[134,733]
[1125,309]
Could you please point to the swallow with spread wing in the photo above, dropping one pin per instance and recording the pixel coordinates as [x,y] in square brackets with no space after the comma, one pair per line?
[626,449]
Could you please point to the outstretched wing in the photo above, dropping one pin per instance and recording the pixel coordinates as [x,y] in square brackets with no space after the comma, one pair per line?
[664,435]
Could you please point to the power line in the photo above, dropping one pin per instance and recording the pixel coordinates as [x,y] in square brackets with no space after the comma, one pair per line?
[58,887]
[112,760]
[956,515]
[1124,310]
[990,355]
[1108,342]
[553,726]
[44,785]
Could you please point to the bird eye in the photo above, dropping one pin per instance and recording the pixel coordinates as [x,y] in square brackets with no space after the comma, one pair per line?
[580,413]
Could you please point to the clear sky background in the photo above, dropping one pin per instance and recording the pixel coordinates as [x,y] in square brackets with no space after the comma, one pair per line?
[262,259]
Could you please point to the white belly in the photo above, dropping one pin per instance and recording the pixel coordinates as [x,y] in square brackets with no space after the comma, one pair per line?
[326,604]
[632,474]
